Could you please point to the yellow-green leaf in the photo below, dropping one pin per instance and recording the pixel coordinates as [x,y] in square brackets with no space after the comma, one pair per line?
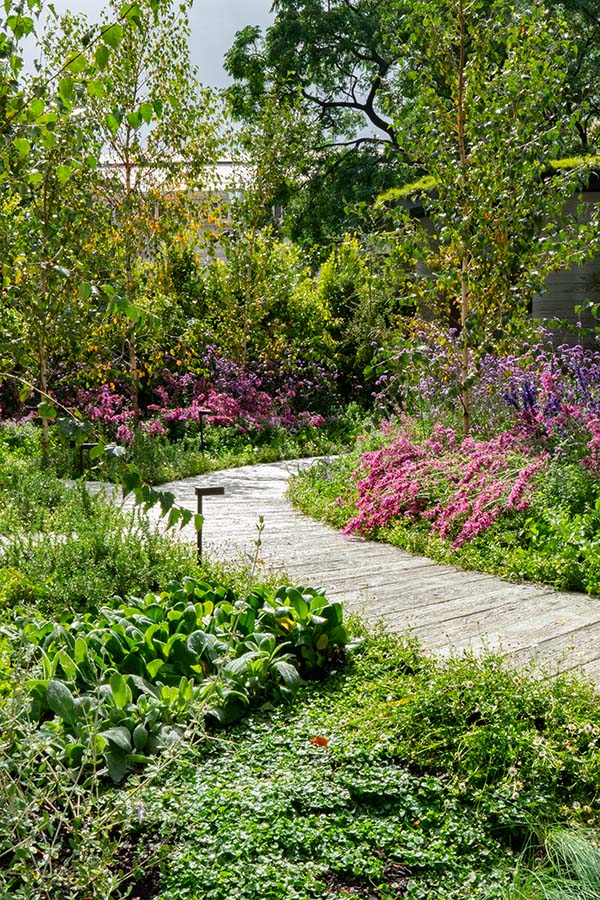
[113,36]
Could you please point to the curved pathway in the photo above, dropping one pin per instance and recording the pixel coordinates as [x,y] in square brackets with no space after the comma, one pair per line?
[449,610]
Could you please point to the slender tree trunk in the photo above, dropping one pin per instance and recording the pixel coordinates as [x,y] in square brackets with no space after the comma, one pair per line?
[43,366]
[42,346]
[465,362]
[465,298]
[130,288]
[248,299]
[133,375]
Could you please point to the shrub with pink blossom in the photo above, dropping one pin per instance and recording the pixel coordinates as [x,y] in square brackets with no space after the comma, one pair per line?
[460,486]
[254,400]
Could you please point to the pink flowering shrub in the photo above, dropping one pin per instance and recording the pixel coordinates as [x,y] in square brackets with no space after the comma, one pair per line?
[592,460]
[243,400]
[460,487]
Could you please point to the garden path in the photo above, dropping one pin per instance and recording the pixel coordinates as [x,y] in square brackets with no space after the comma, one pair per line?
[449,610]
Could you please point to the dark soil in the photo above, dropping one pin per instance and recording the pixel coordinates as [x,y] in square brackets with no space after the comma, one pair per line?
[344,884]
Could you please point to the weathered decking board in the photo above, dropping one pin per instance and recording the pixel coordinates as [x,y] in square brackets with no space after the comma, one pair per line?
[449,610]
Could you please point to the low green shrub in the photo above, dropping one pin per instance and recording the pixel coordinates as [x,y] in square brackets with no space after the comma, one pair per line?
[62,546]
[160,460]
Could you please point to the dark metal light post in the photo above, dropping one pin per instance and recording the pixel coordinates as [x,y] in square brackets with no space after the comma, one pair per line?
[200,493]
[202,413]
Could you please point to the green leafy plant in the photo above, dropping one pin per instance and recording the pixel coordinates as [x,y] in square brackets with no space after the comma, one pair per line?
[117,685]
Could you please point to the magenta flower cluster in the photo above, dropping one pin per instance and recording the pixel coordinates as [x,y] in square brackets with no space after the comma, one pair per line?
[460,486]
[233,397]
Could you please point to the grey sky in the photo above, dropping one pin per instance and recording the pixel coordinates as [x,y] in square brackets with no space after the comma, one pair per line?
[213,23]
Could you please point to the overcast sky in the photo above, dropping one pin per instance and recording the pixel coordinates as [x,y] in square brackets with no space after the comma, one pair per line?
[213,23]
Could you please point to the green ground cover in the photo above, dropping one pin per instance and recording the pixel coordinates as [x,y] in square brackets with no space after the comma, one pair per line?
[395,776]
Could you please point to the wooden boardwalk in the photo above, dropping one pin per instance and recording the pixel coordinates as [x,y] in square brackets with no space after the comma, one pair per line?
[447,609]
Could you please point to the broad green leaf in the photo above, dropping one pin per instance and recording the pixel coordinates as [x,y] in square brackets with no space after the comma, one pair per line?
[20,25]
[203,644]
[129,11]
[61,701]
[134,119]
[80,650]
[288,672]
[120,689]
[22,146]
[63,173]
[186,689]
[118,736]
[74,753]
[130,481]
[146,112]
[66,89]
[113,36]
[154,666]
[25,393]
[36,107]
[117,763]
[67,665]
[140,737]
[46,410]
[97,451]
[112,123]
[76,63]
[49,138]
[102,56]
[85,290]
[95,88]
